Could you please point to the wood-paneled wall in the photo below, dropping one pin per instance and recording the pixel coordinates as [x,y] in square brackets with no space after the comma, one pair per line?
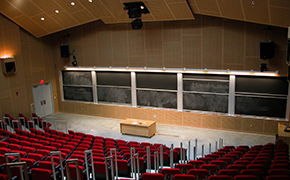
[251,125]
[34,61]
[206,42]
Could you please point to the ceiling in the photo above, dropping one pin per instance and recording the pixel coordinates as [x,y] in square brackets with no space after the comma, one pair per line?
[28,13]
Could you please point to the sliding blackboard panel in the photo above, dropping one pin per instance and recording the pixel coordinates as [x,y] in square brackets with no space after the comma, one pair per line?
[76,78]
[114,94]
[269,85]
[205,102]
[157,99]
[206,86]
[258,106]
[78,93]
[206,76]
[157,80]
[114,78]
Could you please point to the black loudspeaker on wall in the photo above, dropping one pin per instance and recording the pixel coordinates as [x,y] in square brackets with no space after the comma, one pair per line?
[64,51]
[267,50]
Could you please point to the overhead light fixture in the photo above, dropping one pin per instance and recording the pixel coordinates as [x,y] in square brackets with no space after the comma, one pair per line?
[72,3]
[42,19]
[90,0]
[56,11]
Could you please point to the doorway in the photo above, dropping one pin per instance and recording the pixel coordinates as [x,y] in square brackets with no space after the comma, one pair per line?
[43,99]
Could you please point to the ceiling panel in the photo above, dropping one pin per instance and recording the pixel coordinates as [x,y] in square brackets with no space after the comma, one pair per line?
[64,19]
[159,10]
[26,7]
[256,11]
[83,16]
[48,7]
[181,10]
[9,10]
[231,9]
[208,6]
[48,23]
[26,13]
[33,28]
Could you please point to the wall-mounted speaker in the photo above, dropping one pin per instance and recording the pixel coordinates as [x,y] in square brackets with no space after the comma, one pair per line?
[137,24]
[267,50]
[64,51]
[8,65]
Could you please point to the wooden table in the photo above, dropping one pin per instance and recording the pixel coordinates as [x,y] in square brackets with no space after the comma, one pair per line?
[138,127]
[281,132]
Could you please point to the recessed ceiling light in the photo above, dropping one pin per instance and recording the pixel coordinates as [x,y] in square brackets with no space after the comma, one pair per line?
[72,3]
[90,0]
[56,11]
[42,18]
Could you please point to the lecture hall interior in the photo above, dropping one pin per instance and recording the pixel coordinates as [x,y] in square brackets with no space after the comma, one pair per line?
[152,89]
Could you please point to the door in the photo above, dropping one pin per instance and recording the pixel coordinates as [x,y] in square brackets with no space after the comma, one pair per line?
[43,99]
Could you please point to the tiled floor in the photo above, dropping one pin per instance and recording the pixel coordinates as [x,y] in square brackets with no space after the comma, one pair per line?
[166,134]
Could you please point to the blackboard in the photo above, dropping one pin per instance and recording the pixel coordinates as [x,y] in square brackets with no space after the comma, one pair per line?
[78,93]
[206,86]
[114,78]
[114,94]
[157,80]
[259,106]
[76,78]
[269,85]
[205,102]
[157,99]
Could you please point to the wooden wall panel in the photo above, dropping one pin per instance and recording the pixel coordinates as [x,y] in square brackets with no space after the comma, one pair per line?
[37,76]
[191,119]
[123,112]
[104,45]
[156,115]
[257,12]
[7,106]
[172,117]
[154,58]
[120,45]
[81,108]
[137,61]
[19,100]
[108,111]
[232,123]
[211,121]
[253,63]
[254,35]
[139,113]
[233,42]
[153,35]
[191,52]
[253,125]
[4,85]
[271,127]
[171,31]
[94,110]
[172,55]
[192,27]
[68,107]
[136,40]
[212,43]
[90,52]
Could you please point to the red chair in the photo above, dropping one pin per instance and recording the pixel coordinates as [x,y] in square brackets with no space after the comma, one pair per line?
[3,144]
[45,174]
[255,172]
[46,165]
[219,177]
[212,168]
[220,164]
[206,160]
[228,160]
[170,172]
[184,168]
[43,152]
[50,148]
[233,156]
[280,166]
[278,177]
[184,177]
[230,172]
[35,156]
[245,177]
[196,163]
[29,162]
[37,145]
[73,171]
[100,170]
[257,166]
[15,146]
[213,156]
[199,173]
[124,168]
[152,176]
[243,162]
[28,149]
[239,167]
[278,172]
